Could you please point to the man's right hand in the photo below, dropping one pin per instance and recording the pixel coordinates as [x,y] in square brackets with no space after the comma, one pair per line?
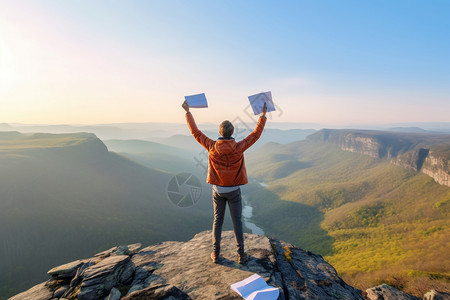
[185,105]
[264,110]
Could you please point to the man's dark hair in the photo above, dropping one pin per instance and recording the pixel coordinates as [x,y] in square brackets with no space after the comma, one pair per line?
[226,129]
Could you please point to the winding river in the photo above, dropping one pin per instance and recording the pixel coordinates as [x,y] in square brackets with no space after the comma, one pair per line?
[247,213]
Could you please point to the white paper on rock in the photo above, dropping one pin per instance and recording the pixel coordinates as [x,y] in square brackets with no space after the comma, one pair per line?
[257,102]
[197,101]
[255,288]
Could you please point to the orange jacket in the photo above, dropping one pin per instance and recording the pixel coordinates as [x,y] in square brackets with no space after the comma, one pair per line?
[226,165]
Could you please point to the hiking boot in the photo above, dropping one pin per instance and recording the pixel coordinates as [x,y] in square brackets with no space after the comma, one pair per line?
[242,258]
[214,257]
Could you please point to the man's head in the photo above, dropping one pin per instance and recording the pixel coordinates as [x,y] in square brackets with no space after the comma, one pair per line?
[226,129]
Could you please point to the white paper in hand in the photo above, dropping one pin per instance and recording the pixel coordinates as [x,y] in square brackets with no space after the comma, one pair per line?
[257,102]
[255,288]
[196,101]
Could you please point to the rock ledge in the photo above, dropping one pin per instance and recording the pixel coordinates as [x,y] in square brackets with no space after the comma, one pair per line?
[183,270]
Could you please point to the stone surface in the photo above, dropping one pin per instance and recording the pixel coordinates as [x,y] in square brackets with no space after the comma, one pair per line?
[387,292]
[66,270]
[114,295]
[133,248]
[104,268]
[106,253]
[78,278]
[305,275]
[435,295]
[141,278]
[166,291]
[60,292]
[189,267]
[38,292]
[120,250]
[184,270]
[99,279]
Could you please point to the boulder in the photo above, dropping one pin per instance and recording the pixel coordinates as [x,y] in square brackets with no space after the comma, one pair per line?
[100,278]
[435,295]
[67,270]
[387,292]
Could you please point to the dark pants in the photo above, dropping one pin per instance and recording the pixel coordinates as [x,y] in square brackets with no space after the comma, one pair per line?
[235,205]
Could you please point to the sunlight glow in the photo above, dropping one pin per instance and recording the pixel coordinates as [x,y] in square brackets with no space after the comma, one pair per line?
[68,62]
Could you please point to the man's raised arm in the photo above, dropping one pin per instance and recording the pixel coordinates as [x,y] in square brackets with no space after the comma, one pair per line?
[198,135]
[254,136]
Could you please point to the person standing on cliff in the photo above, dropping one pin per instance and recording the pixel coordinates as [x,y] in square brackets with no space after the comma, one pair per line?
[226,173]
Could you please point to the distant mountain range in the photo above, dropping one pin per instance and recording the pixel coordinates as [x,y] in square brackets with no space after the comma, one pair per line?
[152,130]
[410,129]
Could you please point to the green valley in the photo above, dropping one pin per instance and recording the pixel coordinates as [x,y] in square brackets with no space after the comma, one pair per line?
[372,220]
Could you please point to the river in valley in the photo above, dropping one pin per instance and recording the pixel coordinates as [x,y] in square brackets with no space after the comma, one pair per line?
[247,213]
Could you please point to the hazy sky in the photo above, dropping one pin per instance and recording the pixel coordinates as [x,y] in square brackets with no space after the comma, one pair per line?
[329,62]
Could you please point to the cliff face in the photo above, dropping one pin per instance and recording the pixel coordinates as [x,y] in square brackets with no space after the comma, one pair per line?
[428,153]
[185,271]
[437,164]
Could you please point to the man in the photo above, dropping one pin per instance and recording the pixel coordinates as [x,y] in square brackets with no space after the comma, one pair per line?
[226,172]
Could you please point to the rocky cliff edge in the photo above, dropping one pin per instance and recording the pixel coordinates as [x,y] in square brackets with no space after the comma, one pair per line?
[184,270]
